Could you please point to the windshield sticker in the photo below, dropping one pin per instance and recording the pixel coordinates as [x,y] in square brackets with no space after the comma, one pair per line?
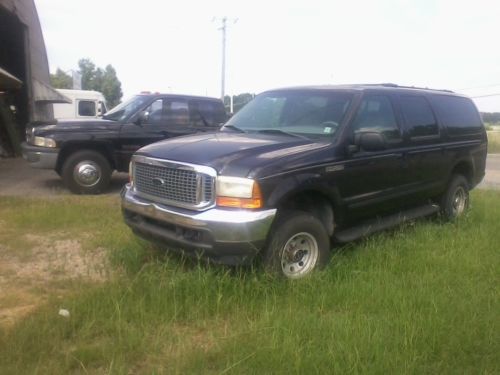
[327,129]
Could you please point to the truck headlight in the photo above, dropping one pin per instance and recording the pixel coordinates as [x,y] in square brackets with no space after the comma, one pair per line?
[44,142]
[238,192]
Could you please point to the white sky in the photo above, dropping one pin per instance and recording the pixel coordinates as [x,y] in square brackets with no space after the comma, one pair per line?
[174,46]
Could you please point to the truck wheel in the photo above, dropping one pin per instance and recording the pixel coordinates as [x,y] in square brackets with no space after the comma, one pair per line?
[298,245]
[86,172]
[455,201]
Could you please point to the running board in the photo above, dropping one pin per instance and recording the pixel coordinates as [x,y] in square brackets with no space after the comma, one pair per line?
[372,226]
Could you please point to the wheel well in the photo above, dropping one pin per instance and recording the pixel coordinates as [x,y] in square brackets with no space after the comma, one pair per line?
[70,149]
[313,202]
[465,169]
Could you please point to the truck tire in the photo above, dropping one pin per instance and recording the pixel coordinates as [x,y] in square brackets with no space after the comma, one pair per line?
[455,201]
[86,172]
[298,245]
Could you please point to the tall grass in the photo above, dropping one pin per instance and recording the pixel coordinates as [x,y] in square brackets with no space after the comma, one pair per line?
[494,142]
[419,299]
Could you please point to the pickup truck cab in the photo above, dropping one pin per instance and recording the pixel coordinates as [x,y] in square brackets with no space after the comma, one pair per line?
[84,152]
[298,169]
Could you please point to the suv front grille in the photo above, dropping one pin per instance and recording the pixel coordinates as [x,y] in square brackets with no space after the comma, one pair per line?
[173,185]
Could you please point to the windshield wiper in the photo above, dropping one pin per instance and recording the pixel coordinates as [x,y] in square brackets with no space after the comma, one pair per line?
[232,127]
[279,131]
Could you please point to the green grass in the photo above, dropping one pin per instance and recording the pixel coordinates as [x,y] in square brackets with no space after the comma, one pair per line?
[419,299]
[494,142]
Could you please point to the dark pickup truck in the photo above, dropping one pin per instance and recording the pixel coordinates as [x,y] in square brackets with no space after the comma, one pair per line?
[298,169]
[84,152]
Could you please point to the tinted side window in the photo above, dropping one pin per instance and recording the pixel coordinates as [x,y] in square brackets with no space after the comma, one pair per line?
[458,114]
[376,114]
[176,113]
[206,113]
[86,108]
[155,113]
[420,120]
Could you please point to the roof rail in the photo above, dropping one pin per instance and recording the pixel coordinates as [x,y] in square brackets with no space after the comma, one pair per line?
[406,87]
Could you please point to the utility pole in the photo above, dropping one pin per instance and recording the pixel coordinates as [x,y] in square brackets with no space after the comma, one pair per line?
[223,28]
[223,74]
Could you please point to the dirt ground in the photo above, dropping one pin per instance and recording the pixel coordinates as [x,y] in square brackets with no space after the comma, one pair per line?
[19,179]
[46,266]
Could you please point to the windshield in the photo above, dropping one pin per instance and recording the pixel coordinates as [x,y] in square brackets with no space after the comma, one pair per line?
[310,113]
[126,109]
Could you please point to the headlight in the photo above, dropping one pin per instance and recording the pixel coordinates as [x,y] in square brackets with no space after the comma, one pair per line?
[238,192]
[44,142]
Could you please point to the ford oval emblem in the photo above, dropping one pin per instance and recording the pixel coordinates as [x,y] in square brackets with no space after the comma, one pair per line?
[157,181]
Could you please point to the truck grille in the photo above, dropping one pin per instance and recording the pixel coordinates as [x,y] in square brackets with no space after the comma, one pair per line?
[174,186]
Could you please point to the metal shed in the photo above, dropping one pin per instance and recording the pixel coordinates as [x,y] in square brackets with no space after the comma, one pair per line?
[25,92]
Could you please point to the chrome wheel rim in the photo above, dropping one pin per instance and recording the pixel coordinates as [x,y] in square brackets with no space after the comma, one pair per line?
[459,202]
[87,173]
[299,256]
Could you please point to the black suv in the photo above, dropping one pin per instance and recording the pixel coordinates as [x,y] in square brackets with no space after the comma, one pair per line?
[85,152]
[300,168]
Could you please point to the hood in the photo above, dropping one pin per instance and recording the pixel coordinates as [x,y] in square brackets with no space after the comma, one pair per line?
[94,124]
[234,154]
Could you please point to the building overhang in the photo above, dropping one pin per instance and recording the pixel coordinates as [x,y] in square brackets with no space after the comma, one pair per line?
[43,93]
[8,81]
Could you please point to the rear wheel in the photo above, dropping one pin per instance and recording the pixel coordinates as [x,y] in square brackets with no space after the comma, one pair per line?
[86,172]
[298,246]
[455,201]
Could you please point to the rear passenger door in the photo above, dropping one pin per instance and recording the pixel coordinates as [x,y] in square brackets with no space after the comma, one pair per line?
[373,180]
[426,162]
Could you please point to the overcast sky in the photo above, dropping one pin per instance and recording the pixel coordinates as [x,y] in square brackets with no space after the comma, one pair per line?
[175,46]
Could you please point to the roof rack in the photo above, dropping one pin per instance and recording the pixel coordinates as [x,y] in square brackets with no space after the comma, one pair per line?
[405,87]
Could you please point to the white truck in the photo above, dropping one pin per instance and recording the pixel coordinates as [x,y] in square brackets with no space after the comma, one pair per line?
[84,104]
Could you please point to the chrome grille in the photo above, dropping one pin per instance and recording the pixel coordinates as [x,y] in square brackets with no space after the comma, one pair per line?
[176,186]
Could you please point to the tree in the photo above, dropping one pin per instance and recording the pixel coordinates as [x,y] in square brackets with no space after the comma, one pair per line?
[111,86]
[61,80]
[105,81]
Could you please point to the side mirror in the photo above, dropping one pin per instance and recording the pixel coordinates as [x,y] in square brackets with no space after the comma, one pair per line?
[371,141]
[142,118]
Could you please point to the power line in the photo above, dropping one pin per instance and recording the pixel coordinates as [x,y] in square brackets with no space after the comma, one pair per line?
[479,87]
[485,96]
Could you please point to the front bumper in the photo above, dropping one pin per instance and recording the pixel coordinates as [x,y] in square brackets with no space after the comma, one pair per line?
[223,235]
[40,157]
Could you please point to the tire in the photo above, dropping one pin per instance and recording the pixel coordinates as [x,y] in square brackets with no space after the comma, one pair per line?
[86,172]
[455,201]
[292,229]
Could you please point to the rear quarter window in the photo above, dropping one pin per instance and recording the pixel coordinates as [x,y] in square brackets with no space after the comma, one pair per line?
[207,113]
[459,115]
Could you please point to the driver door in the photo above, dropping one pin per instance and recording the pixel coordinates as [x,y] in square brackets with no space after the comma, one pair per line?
[372,181]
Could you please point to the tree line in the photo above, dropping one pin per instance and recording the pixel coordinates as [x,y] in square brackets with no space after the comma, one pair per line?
[238,101]
[93,78]
[491,117]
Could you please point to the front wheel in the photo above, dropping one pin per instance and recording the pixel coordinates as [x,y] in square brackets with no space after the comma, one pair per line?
[298,245]
[86,172]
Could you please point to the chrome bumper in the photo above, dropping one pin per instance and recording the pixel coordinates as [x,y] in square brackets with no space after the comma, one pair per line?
[218,233]
[40,157]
